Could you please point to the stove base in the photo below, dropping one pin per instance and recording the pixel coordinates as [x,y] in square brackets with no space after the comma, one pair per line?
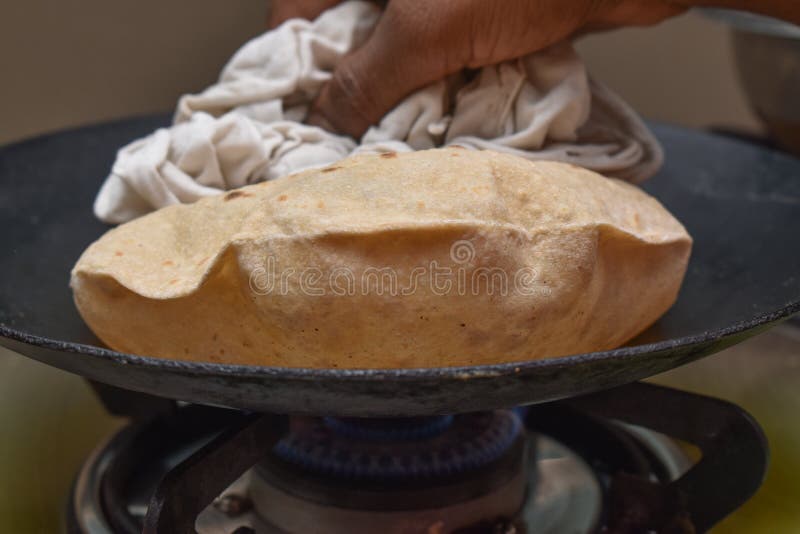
[565,488]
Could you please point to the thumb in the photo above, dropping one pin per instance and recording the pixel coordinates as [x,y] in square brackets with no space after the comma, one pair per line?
[396,59]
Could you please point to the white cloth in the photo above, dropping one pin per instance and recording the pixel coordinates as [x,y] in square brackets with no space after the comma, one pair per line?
[248,127]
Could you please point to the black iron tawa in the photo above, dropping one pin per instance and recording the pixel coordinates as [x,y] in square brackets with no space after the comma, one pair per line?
[741,204]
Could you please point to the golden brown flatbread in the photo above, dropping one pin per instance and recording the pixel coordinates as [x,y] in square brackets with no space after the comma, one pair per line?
[425,259]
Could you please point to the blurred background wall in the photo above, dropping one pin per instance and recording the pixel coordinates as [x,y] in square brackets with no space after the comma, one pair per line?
[68,63]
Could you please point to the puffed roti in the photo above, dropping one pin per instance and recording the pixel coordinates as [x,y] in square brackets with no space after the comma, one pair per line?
[443,257]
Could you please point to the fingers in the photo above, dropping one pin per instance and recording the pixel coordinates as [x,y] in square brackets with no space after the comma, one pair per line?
[417,42]
[282,10]
[400,56]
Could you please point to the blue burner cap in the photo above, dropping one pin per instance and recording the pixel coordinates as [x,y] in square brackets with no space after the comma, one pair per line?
[378,451]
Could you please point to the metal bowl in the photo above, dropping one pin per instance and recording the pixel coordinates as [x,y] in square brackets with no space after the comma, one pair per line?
[767,55]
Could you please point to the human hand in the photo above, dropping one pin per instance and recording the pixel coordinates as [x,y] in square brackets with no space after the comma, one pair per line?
[417,42]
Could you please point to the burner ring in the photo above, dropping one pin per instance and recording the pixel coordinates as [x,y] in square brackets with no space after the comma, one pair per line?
[352,449]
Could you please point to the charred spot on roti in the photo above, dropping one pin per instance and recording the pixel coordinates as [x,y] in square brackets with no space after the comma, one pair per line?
[236,194]
[282,198]
[388,155]
[119,253]
[168,263]
[320,204]
[331,169]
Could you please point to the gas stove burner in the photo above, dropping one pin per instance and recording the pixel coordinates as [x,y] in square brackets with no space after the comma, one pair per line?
[392,450]
[394,475]
[571,466]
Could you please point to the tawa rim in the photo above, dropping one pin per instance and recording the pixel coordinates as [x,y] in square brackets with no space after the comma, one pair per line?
[383,392]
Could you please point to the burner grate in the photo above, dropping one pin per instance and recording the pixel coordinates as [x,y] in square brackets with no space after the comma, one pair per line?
[197,452]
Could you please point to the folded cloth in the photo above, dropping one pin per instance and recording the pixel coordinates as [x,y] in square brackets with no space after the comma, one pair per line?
[248,127]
